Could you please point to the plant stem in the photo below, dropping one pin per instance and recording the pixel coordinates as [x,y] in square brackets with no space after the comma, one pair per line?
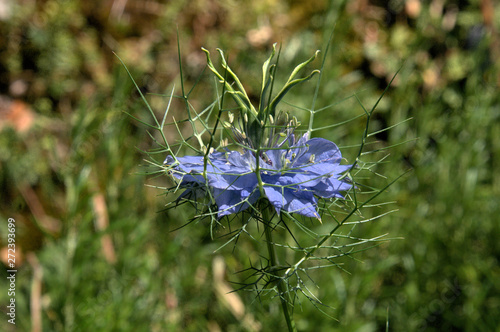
[274,264]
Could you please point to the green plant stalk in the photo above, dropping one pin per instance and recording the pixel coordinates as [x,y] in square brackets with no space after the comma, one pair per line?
[274,263]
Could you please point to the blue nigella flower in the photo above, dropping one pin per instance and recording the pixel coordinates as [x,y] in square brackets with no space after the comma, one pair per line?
[294,172]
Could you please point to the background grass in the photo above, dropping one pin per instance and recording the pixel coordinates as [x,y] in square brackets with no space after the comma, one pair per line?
[93,251]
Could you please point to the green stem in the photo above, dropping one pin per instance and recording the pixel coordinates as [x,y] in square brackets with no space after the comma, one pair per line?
[274,264]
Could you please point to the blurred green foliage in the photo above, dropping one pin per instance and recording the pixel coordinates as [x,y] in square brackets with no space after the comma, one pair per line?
[65,143]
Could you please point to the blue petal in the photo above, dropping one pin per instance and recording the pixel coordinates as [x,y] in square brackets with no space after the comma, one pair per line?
[331,188]
[289,197]
[169,160]
[242,161]
[232,182]
[322,149]
[339,169]
[301,202]
[234,201]
[276,197]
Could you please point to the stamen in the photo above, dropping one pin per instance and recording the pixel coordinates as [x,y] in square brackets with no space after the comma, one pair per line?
[266,158]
